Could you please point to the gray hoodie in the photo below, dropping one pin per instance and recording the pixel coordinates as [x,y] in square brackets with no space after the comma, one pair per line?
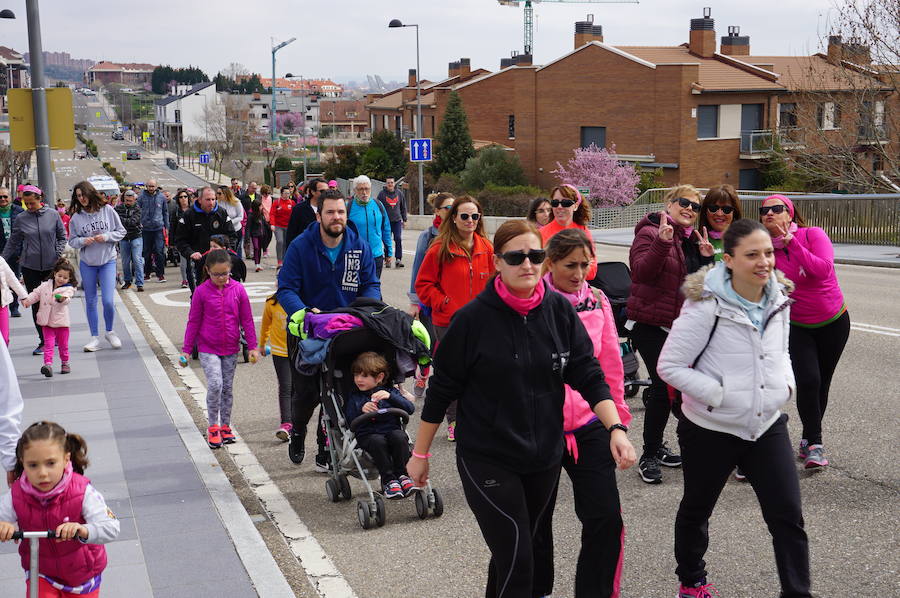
[37,239]
[104,221]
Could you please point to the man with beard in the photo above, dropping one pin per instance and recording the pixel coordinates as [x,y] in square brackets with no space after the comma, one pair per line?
[326,267]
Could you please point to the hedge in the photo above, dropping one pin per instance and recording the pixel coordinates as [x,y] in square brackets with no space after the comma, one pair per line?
[511,202]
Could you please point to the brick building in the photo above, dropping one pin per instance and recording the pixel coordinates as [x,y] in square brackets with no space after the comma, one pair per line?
[704,115]
[132,74]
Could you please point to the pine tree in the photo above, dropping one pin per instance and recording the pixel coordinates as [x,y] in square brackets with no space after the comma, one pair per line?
[454,143]
[394,162]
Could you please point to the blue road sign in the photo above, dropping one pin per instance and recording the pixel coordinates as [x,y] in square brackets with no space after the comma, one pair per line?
[420,150]
[204,158]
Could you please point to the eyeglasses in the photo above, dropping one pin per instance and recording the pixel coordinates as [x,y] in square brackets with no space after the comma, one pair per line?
[684,203]
[447,207]
[515,258]
[219,274]
[466,216]
[726,210]
[777,209]
[566,203]
[182,196]
[4,196]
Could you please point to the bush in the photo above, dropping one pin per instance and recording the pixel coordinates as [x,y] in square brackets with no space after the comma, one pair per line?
[283,163]
[650,179]
[449,183]
[492,165]
[376,163]
[509,201]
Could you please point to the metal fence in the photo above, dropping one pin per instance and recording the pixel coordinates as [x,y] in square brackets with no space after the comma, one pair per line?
[345,186]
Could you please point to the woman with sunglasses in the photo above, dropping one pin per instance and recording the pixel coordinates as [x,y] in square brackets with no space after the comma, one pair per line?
[441,204]
[539,212]
[820,323]
[506,359]
[720,207]
[455,269]
[569,211]
[666,248]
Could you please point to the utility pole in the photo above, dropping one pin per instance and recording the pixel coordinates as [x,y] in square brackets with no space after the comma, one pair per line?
[39,102]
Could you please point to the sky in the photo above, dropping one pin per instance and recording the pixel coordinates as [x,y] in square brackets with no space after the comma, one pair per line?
[348,39]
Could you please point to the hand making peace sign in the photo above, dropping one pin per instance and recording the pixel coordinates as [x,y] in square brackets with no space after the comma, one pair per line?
[706,248]
[785,230]
[666,231]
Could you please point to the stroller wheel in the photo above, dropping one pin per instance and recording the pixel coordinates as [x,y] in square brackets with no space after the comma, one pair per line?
[380,514]
[438,503]
[362,514]
[344,486]
[332,490]
[631,390]
[421,505]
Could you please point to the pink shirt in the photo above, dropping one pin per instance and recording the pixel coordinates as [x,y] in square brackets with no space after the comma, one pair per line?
[808,261]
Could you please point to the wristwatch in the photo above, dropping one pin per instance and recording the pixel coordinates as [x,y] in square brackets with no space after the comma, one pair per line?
[622,427]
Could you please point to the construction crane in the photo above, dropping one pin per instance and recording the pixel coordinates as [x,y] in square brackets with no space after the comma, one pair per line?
[529,14]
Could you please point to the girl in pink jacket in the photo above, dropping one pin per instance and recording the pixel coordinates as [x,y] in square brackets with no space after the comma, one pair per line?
[219,309]
[54,295]
[588,459]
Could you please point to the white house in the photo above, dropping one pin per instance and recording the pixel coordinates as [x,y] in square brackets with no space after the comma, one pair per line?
[191,113]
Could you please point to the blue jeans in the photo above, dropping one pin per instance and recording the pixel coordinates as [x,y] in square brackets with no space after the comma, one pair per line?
[154,246]
[239,244]
[132,252]
[106,274]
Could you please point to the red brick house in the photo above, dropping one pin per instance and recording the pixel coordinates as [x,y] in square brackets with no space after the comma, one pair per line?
[130,73]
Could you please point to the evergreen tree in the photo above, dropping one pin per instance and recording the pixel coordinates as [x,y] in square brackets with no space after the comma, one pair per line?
[394,160]
[453,143]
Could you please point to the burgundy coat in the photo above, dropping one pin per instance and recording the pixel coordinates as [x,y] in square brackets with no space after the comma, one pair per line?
[657,270]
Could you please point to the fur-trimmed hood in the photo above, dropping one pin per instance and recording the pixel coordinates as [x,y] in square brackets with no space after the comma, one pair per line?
[695,288]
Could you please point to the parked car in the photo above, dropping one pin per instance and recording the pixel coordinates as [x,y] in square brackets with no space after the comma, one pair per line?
[133,154]
[118,135]
[171,163]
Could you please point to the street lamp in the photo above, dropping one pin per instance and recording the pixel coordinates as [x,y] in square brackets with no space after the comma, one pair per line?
[398,23]
[303,125]
[273,122]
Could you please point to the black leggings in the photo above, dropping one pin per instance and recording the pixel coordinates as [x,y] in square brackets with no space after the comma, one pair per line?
[597,506]
[285,387]
[709,458]
[649,341]
[815,353]
[509,507]
[304,396]
[390,452]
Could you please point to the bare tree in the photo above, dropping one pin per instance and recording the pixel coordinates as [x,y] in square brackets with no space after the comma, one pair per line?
[235,70]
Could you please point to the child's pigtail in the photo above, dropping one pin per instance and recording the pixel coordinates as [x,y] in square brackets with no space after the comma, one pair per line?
[77,448]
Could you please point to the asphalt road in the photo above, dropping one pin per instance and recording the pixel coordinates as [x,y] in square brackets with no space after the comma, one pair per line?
[850,507]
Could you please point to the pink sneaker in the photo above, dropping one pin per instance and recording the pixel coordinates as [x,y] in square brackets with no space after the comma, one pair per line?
[702,590]
[284,432]
[451,432]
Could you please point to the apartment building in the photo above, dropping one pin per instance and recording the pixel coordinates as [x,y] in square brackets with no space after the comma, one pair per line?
[132,74]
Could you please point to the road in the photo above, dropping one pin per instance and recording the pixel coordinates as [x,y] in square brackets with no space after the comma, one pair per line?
[850,507]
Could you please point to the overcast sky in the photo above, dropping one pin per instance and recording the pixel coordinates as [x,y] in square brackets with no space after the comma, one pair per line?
[348,39]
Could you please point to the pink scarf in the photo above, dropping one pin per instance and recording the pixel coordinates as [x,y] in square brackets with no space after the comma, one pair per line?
[778,242]
[714,234]
[46,497]
[522,306]
[436,223]
[584,296]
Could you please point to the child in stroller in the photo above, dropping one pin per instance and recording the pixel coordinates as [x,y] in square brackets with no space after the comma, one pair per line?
[383,438]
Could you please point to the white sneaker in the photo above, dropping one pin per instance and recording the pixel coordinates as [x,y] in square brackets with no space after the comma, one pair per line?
[92,345]
[113,340]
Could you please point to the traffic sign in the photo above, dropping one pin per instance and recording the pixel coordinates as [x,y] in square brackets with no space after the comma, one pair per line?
[585,192]
[98,114]
[145,135]
[60,116]
[420,150]
[204,158]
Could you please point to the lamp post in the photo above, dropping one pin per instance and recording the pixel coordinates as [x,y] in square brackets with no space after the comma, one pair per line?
[303,125]
[273,122]
[398,23]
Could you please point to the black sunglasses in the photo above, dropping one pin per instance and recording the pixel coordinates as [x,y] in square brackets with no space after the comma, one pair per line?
[774,209]
[4,196]
[684,203]
[515,258]
[474,216]
[566,203]
[726,210]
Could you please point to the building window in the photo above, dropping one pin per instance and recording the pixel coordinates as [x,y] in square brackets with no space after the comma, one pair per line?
[707,122]
[828,115]
[374,120]
[264,115]
[787,115]
[265,105]
[253,116]
[593,135]
[511,125]
[351,115]
[178,116]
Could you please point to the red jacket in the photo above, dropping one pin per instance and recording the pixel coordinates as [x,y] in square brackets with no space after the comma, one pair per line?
[657,270]
[447,286]
[280,212]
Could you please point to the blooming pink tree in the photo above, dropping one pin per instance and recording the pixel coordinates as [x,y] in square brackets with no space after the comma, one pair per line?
[290,123]
[611,181]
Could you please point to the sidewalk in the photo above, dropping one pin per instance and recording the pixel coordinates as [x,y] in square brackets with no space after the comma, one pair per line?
[856,255]
[183,531]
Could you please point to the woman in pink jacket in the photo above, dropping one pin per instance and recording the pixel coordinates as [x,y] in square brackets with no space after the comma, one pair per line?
[820,323]
[219,309]
[588,459]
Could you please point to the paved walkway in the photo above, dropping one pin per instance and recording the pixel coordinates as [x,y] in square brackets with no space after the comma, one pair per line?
[181,529]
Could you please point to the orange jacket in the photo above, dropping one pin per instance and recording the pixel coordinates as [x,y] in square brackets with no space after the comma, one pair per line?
[447,286]
[551,228]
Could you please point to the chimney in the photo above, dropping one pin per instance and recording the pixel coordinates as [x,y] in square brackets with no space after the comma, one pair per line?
[857,52]
[465,67]
[735,44]
[412,80]
[586,32]
[703,35]
[523,59]
[453,69]
[506,62]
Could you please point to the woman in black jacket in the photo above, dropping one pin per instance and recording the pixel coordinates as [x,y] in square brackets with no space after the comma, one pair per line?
[506,357]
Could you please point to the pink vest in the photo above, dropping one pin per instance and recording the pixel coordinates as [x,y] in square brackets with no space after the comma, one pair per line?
[71,563]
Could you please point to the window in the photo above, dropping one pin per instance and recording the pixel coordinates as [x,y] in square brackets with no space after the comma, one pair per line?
[871,120]
[265,105]
[252,115]
[828,116]
[707,122]
[351,115]
[264,115]
[178,116]
[593,135]
[787,115]
[511,125]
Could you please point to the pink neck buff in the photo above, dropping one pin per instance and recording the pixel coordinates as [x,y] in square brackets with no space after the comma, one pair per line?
[687,231]
[714,234]
[45,497]
[522,306]
[583,297]
[436,223]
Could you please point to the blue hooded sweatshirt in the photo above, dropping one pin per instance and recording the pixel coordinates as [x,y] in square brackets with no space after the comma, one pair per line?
[371,220]
[308,277]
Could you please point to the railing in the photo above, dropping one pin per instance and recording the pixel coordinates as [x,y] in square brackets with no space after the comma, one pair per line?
[763,141]
[872,133]
[344,186]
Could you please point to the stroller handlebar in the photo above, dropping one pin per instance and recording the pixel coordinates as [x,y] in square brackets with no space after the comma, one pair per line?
[24,535]
[379,415]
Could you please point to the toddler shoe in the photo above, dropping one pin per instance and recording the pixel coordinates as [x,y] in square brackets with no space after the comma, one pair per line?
[392,490]
[284,432]
[47,370]
[406,484]
[66,368]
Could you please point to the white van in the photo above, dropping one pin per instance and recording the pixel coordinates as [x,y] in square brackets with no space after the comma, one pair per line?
[105,184]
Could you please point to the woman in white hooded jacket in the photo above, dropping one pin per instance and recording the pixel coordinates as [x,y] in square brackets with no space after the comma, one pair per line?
[728,355]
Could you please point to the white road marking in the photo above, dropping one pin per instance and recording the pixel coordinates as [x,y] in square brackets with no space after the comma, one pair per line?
[258,292]
[874,329]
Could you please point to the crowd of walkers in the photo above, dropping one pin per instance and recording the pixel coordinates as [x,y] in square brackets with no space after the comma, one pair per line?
[733,317]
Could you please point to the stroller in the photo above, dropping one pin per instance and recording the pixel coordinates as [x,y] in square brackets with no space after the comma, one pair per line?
[614,279]
[346,457]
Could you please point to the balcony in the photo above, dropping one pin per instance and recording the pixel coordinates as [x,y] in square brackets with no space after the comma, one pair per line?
[872,134]
[757,145]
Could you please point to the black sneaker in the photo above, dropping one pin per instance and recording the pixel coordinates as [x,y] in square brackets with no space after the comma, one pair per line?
[126,286]
[400,264]
[296,445]
[140,289]
[667,457]
[648,468]
[45,370]
[15,314]
[39,350]
[323,462]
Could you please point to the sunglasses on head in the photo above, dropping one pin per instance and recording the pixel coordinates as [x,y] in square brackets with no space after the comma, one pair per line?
[566,203]
[474,217]
[685,203]
[774,209]
[515,258]
[726,210]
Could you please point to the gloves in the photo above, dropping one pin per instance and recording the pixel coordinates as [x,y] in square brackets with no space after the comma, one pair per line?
[295,325]
[420,332]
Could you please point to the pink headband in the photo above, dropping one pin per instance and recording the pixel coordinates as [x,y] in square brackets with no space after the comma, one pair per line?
[32,189]
[20,187]
[575,189]
[785,200]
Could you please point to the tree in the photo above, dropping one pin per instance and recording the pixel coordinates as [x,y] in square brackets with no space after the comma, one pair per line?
[611,182]
[376,163]
[290,123]
[164,76]
[236,70]
[390,144]
[650,178]
[492,165]
[345,164]
[453,143]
